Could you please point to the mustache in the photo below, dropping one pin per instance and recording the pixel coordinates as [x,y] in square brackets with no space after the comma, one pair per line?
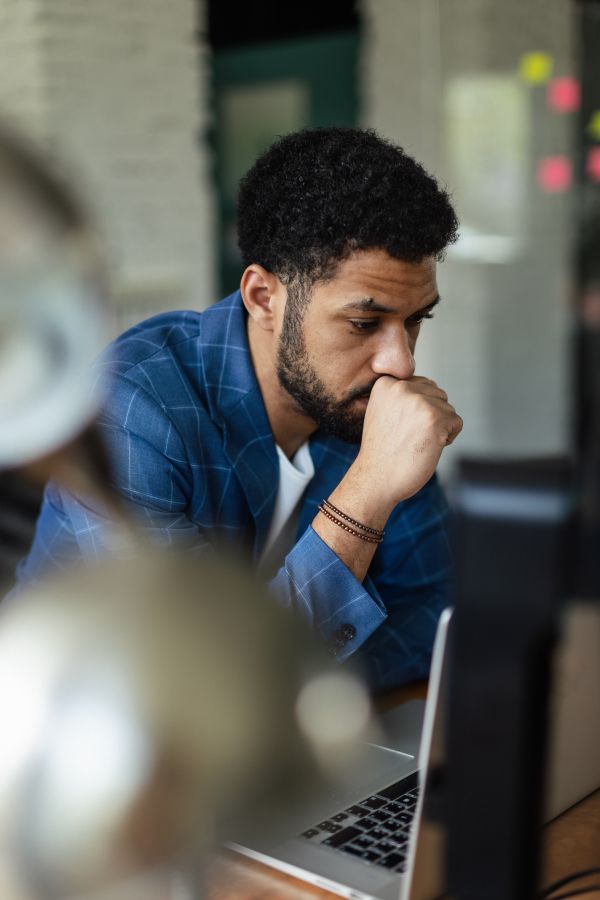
[360,391]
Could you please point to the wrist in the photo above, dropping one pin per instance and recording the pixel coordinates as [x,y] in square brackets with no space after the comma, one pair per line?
[362,500]
[348,524]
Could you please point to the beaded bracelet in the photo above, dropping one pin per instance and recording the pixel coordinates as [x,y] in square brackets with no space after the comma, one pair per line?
[363,537]
[352,522]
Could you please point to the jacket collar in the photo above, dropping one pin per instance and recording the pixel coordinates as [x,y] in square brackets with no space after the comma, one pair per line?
[236,406]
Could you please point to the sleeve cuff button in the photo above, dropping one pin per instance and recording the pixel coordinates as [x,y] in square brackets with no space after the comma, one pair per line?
[339,638]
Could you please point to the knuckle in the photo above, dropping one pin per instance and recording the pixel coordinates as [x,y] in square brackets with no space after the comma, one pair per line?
[432,415]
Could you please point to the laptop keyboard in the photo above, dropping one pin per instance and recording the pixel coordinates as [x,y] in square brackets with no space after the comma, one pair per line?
[376,829]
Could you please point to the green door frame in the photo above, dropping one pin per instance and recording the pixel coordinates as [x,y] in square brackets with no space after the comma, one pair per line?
[327,64]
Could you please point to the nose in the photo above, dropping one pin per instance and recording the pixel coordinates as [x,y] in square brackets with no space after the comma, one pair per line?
[394,356]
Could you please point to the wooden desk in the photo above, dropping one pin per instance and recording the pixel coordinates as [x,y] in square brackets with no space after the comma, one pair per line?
[571,843]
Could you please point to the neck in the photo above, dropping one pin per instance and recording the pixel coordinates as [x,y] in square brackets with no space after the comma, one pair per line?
[290,425]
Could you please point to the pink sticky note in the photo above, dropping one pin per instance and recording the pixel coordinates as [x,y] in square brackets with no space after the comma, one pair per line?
[592,164]
[590,307]
[564,94]
[555,174]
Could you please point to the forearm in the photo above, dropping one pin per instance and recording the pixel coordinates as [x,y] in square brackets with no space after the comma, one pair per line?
[355,497]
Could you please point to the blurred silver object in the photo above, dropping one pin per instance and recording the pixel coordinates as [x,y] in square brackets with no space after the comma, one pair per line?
[53,320]
[145,700]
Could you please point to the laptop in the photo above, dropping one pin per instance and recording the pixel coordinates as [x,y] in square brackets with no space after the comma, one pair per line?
[356,841]
[372,842]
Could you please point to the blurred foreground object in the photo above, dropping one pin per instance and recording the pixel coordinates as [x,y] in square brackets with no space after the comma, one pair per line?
[53,323]
[515,552]
[142,703]
[52,316]
[149,704]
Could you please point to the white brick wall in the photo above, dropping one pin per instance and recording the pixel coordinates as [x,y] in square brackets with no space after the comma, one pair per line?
[21,82]
[117,89]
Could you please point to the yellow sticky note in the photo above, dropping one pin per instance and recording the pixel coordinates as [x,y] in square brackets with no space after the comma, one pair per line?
[593,126]
[536,68]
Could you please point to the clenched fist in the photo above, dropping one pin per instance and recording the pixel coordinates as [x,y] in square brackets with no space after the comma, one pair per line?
[407,425]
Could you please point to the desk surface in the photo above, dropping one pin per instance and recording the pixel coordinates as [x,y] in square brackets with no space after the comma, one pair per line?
[571,843]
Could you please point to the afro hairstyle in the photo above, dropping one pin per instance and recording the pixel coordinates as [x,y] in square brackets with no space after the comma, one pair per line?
[320,194]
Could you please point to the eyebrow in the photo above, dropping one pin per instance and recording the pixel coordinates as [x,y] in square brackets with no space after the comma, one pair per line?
[370,305]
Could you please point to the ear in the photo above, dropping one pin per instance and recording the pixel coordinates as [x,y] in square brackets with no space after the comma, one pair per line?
[261,292]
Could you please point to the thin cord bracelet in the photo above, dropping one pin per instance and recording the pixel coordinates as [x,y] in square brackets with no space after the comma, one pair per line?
[352,522]
[363,537]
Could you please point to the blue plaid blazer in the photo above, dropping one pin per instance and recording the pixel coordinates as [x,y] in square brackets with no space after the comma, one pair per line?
[193,453]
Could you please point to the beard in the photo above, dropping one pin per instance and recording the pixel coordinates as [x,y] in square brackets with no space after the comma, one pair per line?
[299,378]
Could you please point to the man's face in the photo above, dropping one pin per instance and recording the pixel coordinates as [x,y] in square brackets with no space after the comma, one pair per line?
[356,327]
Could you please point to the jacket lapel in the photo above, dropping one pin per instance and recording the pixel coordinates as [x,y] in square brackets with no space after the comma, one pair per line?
[236,406]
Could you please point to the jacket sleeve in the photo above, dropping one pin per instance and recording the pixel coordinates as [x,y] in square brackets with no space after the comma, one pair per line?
[414,577]
[320,589]
[394,613]
[152,477]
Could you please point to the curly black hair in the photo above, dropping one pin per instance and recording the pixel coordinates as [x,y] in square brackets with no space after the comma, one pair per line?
[319,194]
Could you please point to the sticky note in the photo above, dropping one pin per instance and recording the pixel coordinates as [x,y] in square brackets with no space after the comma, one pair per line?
[555,174]
[563,95]
[593,126]
[592,164]
[536,68]
[590,307]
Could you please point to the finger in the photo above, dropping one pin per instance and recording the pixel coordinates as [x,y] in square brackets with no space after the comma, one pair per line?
[442,403]
[456,430]
[421,379]
[427,389]
[432,390]
[427,386]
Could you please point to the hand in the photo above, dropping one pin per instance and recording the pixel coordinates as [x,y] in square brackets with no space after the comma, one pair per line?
[407,425]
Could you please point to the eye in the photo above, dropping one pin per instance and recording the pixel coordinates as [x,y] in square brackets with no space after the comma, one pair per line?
[364,324]
[417,319]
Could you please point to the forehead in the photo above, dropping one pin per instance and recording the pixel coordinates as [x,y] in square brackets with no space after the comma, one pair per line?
[377,275]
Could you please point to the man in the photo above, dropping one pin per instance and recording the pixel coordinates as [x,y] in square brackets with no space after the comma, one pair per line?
[287,421]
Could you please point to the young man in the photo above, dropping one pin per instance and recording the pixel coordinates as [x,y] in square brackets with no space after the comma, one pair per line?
[287,422]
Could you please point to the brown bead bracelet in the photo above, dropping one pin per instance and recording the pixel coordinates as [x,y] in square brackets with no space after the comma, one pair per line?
[363,537]
[352,522]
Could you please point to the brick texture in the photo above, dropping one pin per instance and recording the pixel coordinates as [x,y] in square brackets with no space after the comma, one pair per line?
[117,93]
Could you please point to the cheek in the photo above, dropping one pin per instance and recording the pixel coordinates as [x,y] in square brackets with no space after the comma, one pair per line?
[330,338]
[327,338]
[338,352]
[342,369]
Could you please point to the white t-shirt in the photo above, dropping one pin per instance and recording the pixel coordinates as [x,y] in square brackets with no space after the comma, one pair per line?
[294,476]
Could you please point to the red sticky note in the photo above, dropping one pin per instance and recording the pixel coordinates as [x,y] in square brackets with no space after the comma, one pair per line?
[592,164]
[555,174]
[564,94]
